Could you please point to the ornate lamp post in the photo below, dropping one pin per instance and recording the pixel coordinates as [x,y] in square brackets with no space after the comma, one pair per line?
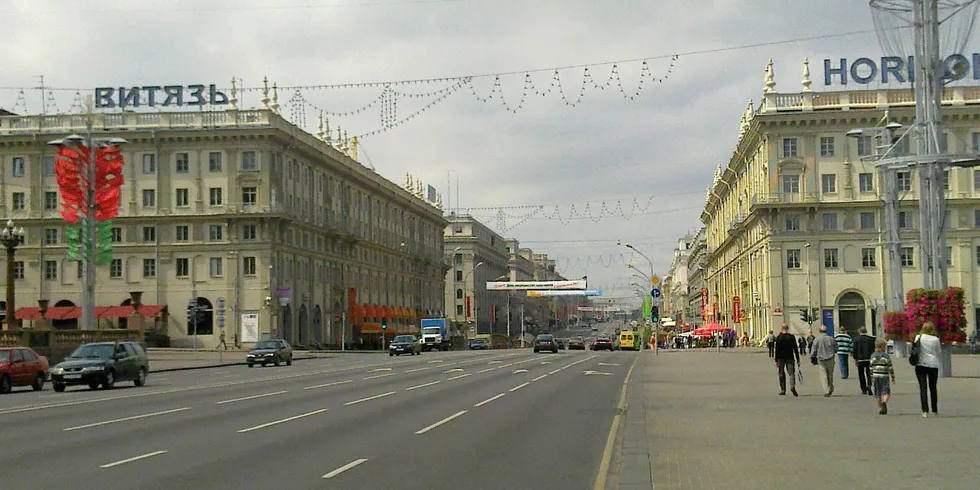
[11,237]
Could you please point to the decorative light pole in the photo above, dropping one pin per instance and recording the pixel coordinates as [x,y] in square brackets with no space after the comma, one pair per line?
[11,237]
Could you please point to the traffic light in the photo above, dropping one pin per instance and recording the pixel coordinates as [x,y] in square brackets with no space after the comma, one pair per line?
[654,314]
[805,315]
[384,324]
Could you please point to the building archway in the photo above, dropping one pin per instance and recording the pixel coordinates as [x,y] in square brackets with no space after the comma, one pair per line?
[69,324]
[304,327]
[286,326]
[3,312]
[317,325]
[203,323]
[852,312]
[123,321]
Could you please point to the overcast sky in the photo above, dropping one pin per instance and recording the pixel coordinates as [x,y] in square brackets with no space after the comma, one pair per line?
[663,144]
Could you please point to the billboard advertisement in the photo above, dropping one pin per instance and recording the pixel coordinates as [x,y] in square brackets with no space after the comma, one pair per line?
[525,285]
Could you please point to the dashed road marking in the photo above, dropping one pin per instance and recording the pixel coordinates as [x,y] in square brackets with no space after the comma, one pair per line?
[520,386]
[130,460]
[335,383]
[443,421]
[375,397]
[233,400]
[488,400]
[282,421]
[423,385]
[344,468]
[126,419]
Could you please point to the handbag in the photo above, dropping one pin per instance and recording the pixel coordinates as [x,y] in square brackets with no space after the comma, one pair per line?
[813,360]
[914,352]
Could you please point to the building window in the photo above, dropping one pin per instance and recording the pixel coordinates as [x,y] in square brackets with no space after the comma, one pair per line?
[828,183]
[248,161]
[149,268]
[949,256]
[183,233]
[183,198]
[827,146]
[459,275]
[50,236]
[903,220]
[793,259]
[865,146]
[50,201]
[19,201]
[905,181]
[182,267]
[115,269]
[830,258]
[214,194]
[976,142]
[946,180]
[248,266]
[792,222]
[868,257]
[79,270]
[943,143]
[248,232]
[18,166]
[459,293]
[183,163]
[215,267]
[907,259]
[215,233]
[19,269]
[789,147]
[830,221]
[867,221]
[116,235]
[149,198]
[978,255]
[866,182]
[51,269]
[149,163]
[249,195]
[47,166]
[791,184]
[149,234]
[459,310]
[901,147]
[214,161]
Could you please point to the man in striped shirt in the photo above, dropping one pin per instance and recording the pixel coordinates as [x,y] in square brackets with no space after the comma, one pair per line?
[844,347]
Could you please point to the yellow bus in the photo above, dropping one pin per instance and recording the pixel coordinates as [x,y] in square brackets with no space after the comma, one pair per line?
[628,340]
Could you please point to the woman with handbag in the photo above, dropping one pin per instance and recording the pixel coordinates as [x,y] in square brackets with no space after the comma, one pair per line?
[928,350]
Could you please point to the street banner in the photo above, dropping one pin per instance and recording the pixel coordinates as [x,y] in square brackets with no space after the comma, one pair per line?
[533,293]
[525,285]
[250,327]
[736,309]
[646,307]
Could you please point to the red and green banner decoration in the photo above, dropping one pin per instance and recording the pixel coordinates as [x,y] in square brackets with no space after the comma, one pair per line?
[72,170]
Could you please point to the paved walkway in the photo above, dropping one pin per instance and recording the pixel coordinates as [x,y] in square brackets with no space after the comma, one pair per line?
[704,419]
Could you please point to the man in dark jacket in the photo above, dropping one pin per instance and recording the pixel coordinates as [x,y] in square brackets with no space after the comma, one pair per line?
[864,346]
[786,353]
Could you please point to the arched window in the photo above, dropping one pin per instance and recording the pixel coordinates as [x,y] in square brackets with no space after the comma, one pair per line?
[459,294]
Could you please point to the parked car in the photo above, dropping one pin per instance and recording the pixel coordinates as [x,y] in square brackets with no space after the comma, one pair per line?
[21,366]
[602,342]
[545,341]
[577,343]
[102,363]
[275,351]
[404,344]
[479,344]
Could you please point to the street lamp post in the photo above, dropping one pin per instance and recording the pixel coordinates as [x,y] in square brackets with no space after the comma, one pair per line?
[11,237]
[475,310]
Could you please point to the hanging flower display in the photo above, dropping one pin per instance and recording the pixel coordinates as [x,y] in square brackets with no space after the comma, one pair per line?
[945,308]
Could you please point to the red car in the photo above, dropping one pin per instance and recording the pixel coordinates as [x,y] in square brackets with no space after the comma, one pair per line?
[21,366]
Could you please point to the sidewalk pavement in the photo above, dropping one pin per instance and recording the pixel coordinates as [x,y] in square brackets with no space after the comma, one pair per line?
[705,419]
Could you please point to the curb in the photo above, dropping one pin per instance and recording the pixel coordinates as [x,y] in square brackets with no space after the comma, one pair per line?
[212,366]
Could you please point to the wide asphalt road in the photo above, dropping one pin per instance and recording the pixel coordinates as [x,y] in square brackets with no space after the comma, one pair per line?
[453,420]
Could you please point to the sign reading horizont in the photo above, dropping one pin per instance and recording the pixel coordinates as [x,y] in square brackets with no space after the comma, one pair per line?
[156,95]
[503,286]
[864,70]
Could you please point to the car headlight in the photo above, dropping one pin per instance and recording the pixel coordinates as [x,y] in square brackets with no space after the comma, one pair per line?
[57,370]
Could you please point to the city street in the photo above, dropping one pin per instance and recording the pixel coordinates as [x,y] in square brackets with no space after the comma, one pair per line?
[491,419]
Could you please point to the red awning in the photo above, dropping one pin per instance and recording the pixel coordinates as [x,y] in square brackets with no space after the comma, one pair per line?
[75,312]
[114,311]
[151,311]
[360,311]
[28,313]
[389,313]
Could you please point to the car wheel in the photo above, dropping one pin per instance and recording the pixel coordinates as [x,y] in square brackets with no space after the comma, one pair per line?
[391,354]
[59,387]
[251,364]
[535,351]
[277,362]
[5,385]
[264,364]
[110,380]
[289,362]
[140,377]
[38,383]
[93,386]
[554,351]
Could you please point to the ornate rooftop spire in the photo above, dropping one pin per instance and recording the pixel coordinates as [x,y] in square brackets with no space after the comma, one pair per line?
[806,75]
[265,92]
[770,79]
[233,100]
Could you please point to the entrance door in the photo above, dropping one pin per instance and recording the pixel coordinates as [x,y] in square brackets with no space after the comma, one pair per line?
[852,311]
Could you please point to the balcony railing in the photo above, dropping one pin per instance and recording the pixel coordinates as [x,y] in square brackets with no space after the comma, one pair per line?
[861,99]
[11,125]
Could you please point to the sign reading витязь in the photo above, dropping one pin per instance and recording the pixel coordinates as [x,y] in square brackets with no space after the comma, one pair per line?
[894,68]
[158,96]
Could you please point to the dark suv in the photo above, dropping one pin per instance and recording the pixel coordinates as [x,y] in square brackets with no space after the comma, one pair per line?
[545,341]
[102,363]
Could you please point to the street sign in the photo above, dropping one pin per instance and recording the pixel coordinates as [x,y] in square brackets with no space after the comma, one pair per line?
[220,303]
[221,322]
[655,293]
[655,280]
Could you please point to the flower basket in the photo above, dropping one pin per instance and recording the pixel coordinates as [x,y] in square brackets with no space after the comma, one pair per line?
[945,308]
[895,325]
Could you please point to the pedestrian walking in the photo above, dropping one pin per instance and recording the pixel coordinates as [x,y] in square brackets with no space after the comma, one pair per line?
[927,369]
[809,340]
[771,344]
[801,343]
[864,347]
[786,353]
[881,371]
[221,340]
[844,347]
[822,353]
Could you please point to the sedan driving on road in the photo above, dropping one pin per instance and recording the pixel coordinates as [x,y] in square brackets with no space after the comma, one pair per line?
[102,363]
[275,351]
[545,341]
[404,344]
[479,344]
[602,342]
[21,366]
[578,343]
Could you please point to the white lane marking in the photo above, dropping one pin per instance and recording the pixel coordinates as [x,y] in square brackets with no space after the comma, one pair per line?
[335,383]
[488,400]
[578,362]
[233,400]
[379,370]
[453,370]
[607,364]
[422,385]
[555,371]
[485,370]
[496,362]
[282,421]
[519,371]
[125,419]
[375,397]
[460,376]
[443,421]
[540,377]
[379,376]
[519,386]
[435,361]
[545,362]
[344,468]
[417,369]
[135,458]
[595,373]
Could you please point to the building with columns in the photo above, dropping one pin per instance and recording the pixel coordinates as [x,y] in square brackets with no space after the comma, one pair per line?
[676,284]
[236,208]
[794,219]
[696,284]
